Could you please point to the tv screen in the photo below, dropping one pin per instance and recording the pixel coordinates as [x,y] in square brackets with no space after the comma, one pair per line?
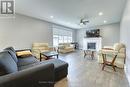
[93,33]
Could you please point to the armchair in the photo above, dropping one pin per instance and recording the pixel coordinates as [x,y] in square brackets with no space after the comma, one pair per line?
[120,48]
[37,48]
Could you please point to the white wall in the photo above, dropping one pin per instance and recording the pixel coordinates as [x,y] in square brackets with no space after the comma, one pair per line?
[110,34]
[22,31]
[125,36]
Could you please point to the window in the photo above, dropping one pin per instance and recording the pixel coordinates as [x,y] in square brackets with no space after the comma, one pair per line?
[61,39]
[69,39]
[65,39]
[55,40]
[61,35]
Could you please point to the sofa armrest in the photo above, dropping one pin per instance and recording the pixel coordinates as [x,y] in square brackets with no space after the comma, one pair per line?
[122,50]
[38,76]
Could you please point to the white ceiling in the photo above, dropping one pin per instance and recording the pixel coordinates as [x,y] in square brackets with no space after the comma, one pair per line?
[69,12]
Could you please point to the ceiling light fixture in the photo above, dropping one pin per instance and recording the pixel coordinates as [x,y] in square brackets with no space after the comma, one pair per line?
[51,16]
[105,21]
[100,13]
[81,24]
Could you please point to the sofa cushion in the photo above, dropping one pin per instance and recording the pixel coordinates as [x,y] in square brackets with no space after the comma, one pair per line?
[7,64]
[61,68]
[28,66]
[58,64]
[67,48]
[26,61]
[61,46]
[12,53]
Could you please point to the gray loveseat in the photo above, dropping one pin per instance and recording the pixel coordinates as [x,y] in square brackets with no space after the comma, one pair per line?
[28,71]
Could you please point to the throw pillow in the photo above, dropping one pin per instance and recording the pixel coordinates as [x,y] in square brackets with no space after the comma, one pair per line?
[23,53]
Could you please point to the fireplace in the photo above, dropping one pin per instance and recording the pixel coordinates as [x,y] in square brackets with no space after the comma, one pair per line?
[91,45]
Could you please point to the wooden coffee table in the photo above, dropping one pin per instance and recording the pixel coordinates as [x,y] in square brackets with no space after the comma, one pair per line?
[49,54]
[89,52]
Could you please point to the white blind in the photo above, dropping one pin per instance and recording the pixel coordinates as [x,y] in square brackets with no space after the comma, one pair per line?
[57,30]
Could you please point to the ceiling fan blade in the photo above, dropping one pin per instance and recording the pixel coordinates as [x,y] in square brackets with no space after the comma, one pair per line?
[83,21]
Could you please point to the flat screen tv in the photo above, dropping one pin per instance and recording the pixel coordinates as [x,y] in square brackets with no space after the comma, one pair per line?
[93,33]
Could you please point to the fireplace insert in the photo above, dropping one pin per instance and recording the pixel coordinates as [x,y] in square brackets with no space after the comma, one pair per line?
[91,46]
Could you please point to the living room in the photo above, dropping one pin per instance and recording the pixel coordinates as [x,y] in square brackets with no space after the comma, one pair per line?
[39,30]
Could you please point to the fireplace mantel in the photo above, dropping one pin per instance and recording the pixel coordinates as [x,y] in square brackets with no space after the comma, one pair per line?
[97,40]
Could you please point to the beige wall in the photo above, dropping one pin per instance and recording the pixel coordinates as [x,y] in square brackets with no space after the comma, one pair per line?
[125,36]
[110,34]
[22,31]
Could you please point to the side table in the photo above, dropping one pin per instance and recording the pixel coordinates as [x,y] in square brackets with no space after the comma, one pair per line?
[89,52]
[110,63]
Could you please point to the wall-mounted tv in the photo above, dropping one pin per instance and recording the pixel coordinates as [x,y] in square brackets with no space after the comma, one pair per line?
[93,33]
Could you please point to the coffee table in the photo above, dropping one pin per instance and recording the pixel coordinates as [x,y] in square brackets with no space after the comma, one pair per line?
[89,52]
[48,54]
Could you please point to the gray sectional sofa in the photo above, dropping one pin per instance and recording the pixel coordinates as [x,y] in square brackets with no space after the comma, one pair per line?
[28,71]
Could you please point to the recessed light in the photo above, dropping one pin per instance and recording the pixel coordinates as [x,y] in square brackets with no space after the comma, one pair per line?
[100,13]
[51,16]
[105,21]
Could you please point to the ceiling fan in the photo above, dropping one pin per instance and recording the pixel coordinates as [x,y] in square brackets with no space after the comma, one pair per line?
[84,21]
